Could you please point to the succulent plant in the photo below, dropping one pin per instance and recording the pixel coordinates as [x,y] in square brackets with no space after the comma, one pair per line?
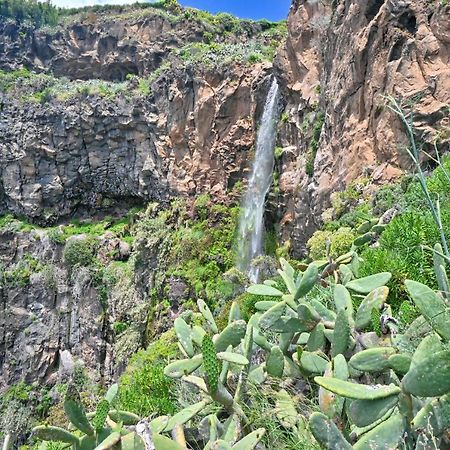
[101,430]
[413,410]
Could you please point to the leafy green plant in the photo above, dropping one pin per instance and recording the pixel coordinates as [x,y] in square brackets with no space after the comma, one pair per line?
[414,154]
[144,389]
[280,323]
[80,251]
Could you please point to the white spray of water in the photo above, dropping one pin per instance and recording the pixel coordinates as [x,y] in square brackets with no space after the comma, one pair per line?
[251,224]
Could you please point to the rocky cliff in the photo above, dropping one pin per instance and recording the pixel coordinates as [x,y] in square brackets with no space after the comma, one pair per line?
[116,111]
[191,134]
[106,113]
[183,122]
[340,61]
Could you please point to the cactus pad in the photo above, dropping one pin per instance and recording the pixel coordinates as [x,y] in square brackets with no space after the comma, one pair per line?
[211,363]
[365,412]
[356,391]
[327,433]
[275,362]
[101,413]
[341,335]
[368,284]
[419,382]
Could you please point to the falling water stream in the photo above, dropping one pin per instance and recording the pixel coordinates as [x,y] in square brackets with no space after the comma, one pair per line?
[251,224]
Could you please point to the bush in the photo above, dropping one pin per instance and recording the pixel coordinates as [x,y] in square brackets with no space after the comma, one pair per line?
[201,206]
[340,242]
[144,389]
[19,275]
[261,413]
[219,55]
[247,304]
[20,406]
[31,11]
[387,197]
[80,251]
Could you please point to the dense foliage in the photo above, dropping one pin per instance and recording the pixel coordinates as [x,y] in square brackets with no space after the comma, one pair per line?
[31,12]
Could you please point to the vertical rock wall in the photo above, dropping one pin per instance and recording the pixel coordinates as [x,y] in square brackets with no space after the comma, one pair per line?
[341,59]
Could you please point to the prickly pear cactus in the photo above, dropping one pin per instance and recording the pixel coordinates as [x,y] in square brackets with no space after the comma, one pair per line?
[211,363]
[101,414]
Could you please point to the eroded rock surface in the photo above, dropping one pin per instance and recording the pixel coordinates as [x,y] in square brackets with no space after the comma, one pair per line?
[343,61]
[193,134]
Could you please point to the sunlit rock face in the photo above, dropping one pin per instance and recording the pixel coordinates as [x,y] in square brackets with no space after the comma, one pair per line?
[343,61]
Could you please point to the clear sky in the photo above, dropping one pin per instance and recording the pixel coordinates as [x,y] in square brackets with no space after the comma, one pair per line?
[249,9]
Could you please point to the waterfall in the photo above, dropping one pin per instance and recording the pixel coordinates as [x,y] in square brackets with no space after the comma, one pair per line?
[251,223]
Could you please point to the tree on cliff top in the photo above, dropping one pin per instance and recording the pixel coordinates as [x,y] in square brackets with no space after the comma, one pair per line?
[31,11]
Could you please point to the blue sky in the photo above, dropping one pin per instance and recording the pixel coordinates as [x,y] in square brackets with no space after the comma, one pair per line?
[250,9]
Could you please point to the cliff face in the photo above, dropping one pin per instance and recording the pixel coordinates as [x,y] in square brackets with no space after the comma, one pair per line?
[47,320]
[342,61]
[111,45]
[183,123]
[192,134]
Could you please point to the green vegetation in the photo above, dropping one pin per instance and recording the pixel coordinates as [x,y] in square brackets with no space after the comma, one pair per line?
[369,389]
[30,87]
[88,431]
[144,389]
[30,12]
[314,143]
[80,251]
[118,227]
[21,405]
[403,248]
[219,55]
[262,414]
[334,243]
[198,251]
[19,275]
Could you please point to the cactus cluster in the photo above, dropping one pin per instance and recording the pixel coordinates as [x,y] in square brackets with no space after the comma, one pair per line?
[106,428]
[391,398]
